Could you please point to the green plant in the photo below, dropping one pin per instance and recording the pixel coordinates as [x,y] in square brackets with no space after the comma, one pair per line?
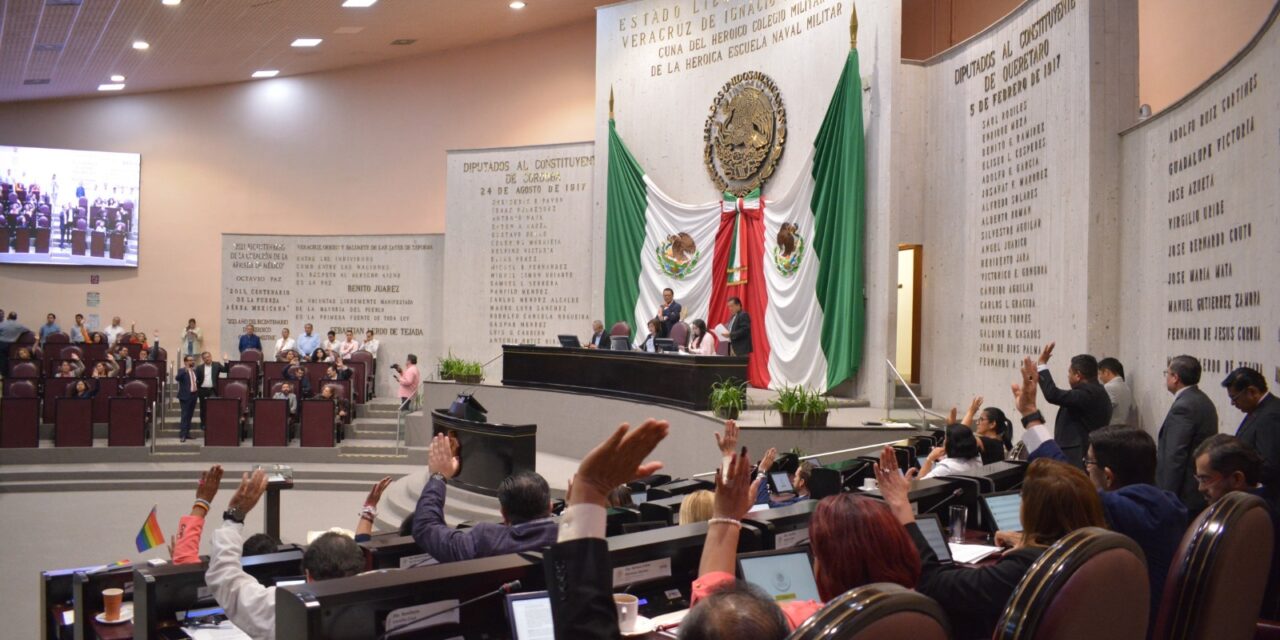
[728,396]
[452,368]
[808,404]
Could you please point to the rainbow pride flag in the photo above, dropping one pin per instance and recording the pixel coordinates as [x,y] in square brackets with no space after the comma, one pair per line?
[150,535]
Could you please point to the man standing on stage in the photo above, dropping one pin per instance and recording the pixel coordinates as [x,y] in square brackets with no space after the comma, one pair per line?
[670,313]
[739,329]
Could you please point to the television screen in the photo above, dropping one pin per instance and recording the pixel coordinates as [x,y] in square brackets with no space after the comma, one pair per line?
[67,207]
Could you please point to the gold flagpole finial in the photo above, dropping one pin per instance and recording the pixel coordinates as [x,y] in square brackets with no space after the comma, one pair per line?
[610,102]
[853,27]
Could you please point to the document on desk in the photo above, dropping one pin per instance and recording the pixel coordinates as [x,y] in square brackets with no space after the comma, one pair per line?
[222,631]
[971,553]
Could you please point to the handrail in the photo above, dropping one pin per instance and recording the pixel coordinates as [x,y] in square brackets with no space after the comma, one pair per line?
[820,455]
[914,397]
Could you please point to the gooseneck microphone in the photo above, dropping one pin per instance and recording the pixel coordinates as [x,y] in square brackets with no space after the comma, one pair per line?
[508,587]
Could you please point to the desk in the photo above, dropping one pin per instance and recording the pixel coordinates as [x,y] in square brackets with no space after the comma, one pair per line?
[665,378]
[488,453]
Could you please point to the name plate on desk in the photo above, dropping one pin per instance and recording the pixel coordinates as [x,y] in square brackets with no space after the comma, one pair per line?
[641,572]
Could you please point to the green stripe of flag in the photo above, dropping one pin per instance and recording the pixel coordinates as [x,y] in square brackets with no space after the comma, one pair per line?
[624,232]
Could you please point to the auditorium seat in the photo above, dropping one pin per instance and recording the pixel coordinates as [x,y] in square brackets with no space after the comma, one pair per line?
[317,423]
[145,388]
[98,244]
[24,369]
[66,352]
[222,422]
[239,390]
[117,245]
[251,355]
[22,241]
[79,245]
[20,416]
[1090,584]
[245,373]
[880,611]
[679,334]
[54,388]
[42,238]
[1219,574]
[127,422]
[56,338]
[27,338]
[108,388]
[270,423]
[620,328]
[356,361]
[73,424]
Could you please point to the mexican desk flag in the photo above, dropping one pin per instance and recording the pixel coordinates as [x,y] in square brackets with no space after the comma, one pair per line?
[795,261]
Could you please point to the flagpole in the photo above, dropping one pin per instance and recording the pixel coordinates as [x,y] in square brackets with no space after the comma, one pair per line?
[853,42]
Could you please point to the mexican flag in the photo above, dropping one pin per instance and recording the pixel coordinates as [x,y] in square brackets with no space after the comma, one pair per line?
[795,261]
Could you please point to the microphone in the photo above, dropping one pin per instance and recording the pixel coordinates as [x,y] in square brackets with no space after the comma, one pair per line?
[954,494]
[506,588]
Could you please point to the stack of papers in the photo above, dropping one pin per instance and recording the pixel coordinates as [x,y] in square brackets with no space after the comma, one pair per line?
[971,553]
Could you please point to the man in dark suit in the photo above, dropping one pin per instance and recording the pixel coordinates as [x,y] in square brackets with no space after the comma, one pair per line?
[1260,428]
[1082,409]
[670,312]
[207,375]
[1191,420]
[599,339]
[579,574]
[739,329]
[524,501]
[185,380]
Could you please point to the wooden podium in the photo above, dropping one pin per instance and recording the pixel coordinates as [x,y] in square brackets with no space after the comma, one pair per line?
[488,452]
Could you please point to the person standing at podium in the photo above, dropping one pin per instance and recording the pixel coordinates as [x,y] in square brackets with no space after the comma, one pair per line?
[670,313]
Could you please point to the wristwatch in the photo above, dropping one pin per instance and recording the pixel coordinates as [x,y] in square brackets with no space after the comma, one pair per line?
[440,476]
[233,514]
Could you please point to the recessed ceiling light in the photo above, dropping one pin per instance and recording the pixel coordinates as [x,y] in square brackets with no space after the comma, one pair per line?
[307,42]
[141,45]
[359,3]
[266,73]
[348,30]
[518,4]
[117,78]
[172,3]
[34,81]
[118,86]
[403,41]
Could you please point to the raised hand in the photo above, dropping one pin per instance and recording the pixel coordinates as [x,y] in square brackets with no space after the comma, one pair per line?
[441,458]
[375,494]
[895,485]
[728,443]
[617,460]
[209,482]
[951,416]
[1024,391]
[1046,353]
[251,489]
[766,463]
[735,492]
[975,405]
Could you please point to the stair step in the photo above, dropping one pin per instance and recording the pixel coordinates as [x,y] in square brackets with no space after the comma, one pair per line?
[908,403]
[901,391]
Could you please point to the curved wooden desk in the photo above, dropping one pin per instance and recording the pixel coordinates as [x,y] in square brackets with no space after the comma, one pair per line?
[488,452]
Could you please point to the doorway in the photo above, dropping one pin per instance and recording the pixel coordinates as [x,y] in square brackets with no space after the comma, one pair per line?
[910,270]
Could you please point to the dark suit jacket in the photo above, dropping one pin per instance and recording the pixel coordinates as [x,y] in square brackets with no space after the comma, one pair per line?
[447,544]
[740,335]
[1081,411]
[217,371]
[670,317]
[600,340]
[580,584]
[1191,420]
[972,598]
[182,380]
[1261,429]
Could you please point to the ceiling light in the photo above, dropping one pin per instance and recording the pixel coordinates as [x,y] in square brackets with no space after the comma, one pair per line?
[359,3]
[518,4]
[118,86]
[35,81]
[266,73]
[403,41]
[117,78]
[307,42]
[141,45]
[348,30]
[171,3]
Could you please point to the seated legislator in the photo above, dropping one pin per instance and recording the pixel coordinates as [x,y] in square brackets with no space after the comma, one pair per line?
[1121,462]
[696,507]
[701,341]
[340,408]
[72,368]
[1224,464]
[286,393]
[958,454]
[599,338]
[855,541]
[524,500]
[250,606]
[83,389]
[648,343]
[799,482]
[993,428]
[297,374]
[340,370]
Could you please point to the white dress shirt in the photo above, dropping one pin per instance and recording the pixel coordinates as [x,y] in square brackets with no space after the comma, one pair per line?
[348,347]
[113,333]
[951,466]
[209,382]
[1121,400]
[249,605]
[372,347]
[285,344]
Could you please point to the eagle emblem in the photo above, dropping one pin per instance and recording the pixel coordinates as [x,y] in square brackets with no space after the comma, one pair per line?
[678,255]
[789,249]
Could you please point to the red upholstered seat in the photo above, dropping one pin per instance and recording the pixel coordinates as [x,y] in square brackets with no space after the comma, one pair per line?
[24,369]
[1090,584]
[679,334]
[251,355]
[57,338]
[22,388]
[881,611]
[1216,582]
[620,329]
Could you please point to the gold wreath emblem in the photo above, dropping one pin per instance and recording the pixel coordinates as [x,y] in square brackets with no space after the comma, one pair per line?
[745,133]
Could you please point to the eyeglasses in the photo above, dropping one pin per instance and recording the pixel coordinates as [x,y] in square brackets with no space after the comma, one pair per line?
[1090,462]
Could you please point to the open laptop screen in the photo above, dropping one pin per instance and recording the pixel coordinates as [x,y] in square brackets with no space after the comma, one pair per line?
[785,575]
[530,615]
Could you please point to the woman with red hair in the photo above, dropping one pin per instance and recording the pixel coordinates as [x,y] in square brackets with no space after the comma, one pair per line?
[855,541]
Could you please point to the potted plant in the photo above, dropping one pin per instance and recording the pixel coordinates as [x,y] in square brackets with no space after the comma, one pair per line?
[728,398]
[801,407]
[469,372]
[449,366]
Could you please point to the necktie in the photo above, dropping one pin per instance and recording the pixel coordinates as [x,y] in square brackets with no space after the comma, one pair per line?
[192,375]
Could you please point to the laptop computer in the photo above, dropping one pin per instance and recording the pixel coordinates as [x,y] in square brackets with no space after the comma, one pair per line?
[785,574]
[530,616]
[664,345]
[568,340]
[1004,509]
[931,527]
